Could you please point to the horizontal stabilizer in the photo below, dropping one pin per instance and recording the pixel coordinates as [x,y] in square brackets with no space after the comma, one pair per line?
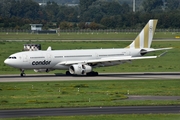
[144,51]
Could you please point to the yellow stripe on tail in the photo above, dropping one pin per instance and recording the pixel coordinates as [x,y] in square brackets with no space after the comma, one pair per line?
[144,39]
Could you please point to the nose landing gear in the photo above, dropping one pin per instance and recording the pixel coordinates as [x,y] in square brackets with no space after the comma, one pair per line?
[22,73]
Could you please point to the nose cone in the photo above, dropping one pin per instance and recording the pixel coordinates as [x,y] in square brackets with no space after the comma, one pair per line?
[6,62]
[9,62]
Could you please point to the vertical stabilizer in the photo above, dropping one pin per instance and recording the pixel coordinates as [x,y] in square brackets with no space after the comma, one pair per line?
[144,39]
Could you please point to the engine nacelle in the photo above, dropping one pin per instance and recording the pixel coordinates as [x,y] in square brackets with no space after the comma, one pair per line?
[41,70]
[80,69]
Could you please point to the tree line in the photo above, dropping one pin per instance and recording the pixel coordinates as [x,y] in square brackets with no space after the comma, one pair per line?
[89,14]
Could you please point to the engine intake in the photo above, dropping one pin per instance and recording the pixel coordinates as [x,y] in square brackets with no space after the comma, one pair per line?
[80,69]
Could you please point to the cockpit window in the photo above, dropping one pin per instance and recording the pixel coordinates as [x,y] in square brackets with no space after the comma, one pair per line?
[12,57]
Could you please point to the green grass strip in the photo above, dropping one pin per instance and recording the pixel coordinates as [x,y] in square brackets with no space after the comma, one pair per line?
[83,36]
[85,93]
[108,117]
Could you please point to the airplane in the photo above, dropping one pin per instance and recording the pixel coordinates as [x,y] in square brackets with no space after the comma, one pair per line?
[82,62]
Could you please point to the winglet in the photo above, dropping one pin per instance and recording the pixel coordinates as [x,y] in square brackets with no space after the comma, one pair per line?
[49,48]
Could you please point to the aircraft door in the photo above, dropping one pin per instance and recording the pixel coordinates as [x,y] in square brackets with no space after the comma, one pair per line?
[96,55]
[25,58]
[49,59]
[127,53]
[48,56]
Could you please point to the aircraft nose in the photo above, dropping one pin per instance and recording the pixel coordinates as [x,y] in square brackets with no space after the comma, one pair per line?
[6,62]
[9,62]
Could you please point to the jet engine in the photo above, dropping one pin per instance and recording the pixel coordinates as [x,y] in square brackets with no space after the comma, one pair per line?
[80,69]
[41,70]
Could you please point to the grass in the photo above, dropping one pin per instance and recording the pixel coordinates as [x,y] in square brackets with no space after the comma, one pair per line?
[83,36]
[167,63]
[66,36]
[85,93]
[108,117]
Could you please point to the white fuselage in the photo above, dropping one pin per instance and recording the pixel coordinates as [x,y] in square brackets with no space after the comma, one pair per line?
[51,59]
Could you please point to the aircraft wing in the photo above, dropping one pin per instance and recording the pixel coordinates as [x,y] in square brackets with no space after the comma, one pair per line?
[107,59]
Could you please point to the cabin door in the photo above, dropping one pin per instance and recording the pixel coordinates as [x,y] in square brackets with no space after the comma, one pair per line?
[25,58]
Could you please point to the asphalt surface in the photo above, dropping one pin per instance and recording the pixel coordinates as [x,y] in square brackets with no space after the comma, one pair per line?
[88,111]
[104,76]
[148,97]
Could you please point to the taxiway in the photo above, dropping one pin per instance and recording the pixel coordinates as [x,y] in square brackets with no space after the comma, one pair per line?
[102,76]
[88,111]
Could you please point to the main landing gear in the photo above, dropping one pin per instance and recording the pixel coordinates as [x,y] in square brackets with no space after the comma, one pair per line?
[68,73]
[87,74]
[22,73]
[92,73]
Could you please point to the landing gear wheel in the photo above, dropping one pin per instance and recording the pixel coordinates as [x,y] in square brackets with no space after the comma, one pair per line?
[96,73]
[92,73]
[68,73]
[23,74]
